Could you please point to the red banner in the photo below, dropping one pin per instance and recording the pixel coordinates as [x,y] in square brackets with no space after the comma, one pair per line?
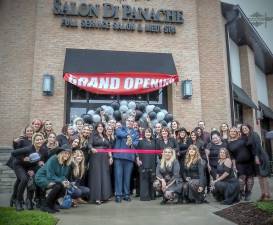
[123,83]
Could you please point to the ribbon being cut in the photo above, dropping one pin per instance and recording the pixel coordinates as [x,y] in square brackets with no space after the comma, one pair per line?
[131,151]
[123,83]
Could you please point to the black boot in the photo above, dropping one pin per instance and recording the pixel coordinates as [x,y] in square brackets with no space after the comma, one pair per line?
[52,198]
[29,204]
[19,205]
[12,201]
[247,195]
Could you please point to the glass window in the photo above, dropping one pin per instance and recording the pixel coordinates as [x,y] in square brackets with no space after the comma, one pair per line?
[238,111]
[76,112]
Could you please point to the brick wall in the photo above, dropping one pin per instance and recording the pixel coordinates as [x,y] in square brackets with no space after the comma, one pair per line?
[35,44]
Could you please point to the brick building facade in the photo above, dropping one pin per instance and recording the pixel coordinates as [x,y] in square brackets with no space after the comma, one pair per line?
[34,43]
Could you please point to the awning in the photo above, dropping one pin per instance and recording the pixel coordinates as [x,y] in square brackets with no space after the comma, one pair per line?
[119,72]
[241,96]
[267,112]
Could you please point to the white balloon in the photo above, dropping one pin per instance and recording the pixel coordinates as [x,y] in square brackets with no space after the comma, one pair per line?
[132,105]
[91,112]
[154,122]
[123,102]
[149,108]
[109,110]
[164,111]
[96,118]
[123,108]
[160,116]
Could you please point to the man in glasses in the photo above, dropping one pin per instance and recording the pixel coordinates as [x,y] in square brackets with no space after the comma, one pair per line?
[126,138]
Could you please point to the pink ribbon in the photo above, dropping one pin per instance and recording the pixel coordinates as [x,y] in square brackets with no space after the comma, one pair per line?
[131,151]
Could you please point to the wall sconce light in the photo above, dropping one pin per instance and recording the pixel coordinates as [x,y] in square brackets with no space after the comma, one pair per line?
[186,89]
[48,85]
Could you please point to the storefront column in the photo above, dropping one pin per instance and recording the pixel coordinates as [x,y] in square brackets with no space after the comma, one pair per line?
[248,73]
[269,82]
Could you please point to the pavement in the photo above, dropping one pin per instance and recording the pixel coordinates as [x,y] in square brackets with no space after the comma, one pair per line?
[138,212]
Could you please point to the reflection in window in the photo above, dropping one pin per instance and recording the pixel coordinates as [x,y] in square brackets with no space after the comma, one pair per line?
[238,111]
[76,112]
[78,95]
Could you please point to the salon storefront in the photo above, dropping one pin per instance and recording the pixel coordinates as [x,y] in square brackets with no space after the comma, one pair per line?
[60,59]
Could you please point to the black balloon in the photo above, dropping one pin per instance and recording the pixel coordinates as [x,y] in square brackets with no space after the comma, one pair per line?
[117,115]
[142,107]
[164,123]
[115,105]
[156,109]
[168,117]
[138,115]
[152,115]
[87,118]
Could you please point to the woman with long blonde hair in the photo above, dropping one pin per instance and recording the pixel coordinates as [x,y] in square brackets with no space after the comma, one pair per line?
[78,170]
[168,178]
[193,176]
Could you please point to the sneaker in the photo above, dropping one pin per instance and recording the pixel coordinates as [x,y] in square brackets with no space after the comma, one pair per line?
[118,200]
[128,199]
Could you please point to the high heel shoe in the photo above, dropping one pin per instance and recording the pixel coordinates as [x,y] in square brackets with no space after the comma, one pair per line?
[12,201]
[19,205]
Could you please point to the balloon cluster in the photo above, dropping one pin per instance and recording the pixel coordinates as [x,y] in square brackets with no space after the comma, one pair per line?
[142,112]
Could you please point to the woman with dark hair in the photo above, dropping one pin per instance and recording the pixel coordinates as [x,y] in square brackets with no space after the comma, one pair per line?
[67,133]
[25,168]
[99,166]
[51,144]
[212,152]
[193,176]
[196,140]
[84,137]
[174,126]
[183,143]
[243,162]
[74,142]
[147,166]
[261,158]
[54,175]
[224,132]
[166,140]
[21,142]
[225,186]
[168,179]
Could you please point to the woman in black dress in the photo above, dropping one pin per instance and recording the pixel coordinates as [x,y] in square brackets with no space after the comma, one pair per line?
[99,166]
[262,165]
[212,152]
[193,176]
[65,136]
[183,143]
[51,145]
[243,162]
[147,166]
[226,186]
[166,140]
[168,181]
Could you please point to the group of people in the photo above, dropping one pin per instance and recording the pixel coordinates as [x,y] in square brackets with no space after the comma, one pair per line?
[111,158]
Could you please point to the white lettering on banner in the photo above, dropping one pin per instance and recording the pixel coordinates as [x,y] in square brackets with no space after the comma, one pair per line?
[104,83]
[138,81]
[72,80]
[154,83]
[82,81]
[93,82]
[146,83]
[115,83]
[128,83]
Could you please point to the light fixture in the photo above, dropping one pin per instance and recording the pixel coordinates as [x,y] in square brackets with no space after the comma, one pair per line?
[48,85]
[186,87]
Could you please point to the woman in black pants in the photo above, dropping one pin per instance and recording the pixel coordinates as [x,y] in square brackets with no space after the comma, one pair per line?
[24,168]
[21,142]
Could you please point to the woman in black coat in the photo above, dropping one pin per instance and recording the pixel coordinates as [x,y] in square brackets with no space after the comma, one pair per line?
[65,136]
[166,140]
[147,166]
[262,165]
[24,168]
[243,162]
[99,166]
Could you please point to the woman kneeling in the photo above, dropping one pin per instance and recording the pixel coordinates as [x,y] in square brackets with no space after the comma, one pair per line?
[168,178]
[226,187]
[193,176]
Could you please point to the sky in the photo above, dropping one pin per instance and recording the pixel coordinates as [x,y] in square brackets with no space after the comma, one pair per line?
[262,7]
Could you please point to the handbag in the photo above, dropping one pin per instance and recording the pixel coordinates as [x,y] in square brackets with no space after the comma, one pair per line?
[67,201]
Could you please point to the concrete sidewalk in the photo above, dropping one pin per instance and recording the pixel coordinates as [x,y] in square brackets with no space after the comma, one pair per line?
[138,213]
